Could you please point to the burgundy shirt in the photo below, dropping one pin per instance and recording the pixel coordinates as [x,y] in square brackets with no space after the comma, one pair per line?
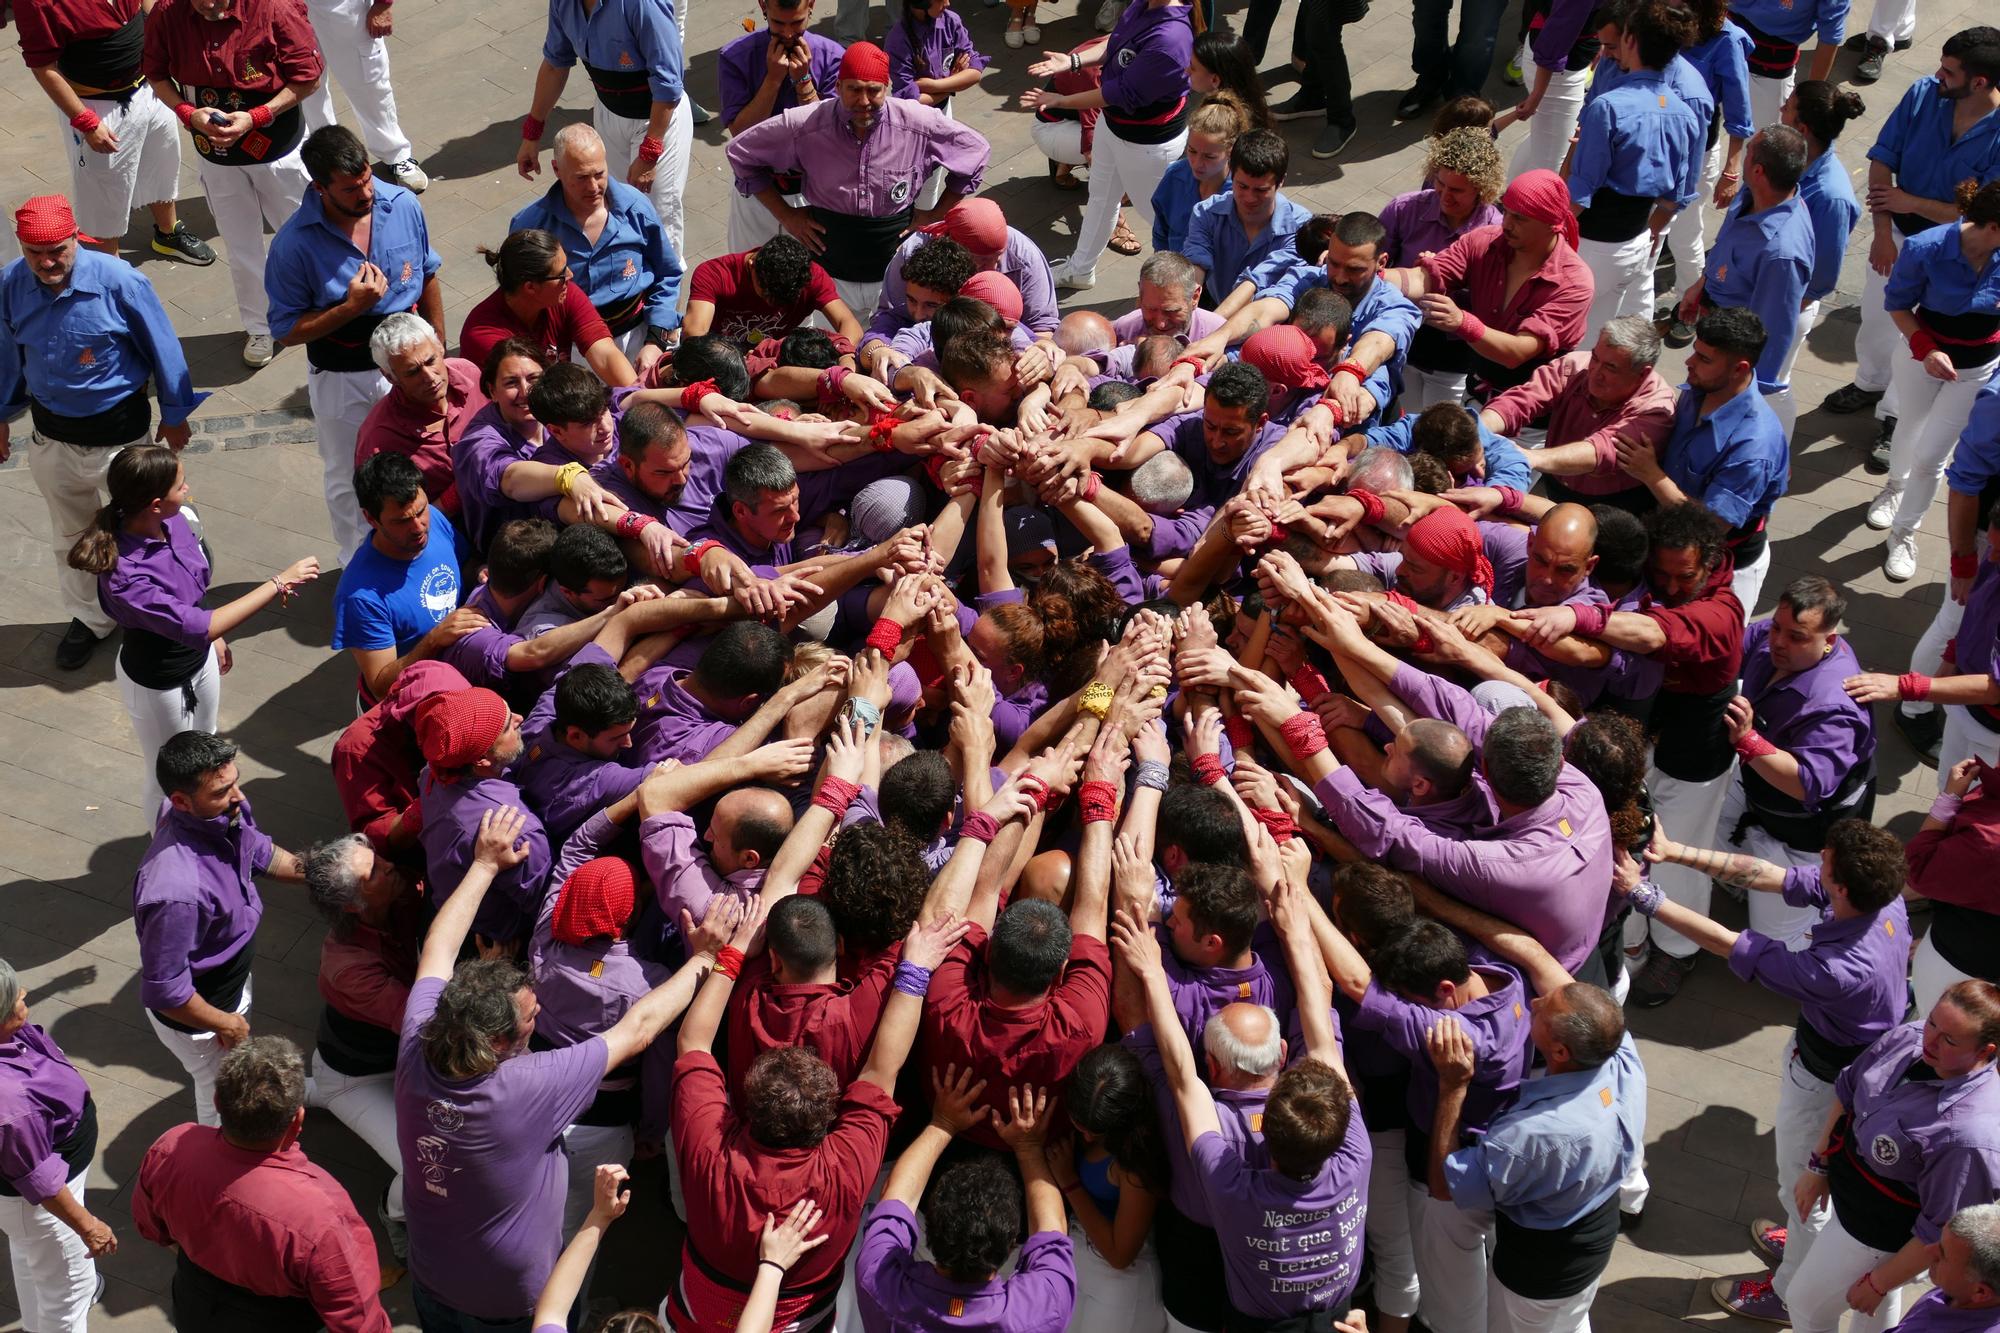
[262,46]
[837,1021]
[421,435]
[573,324]
[1552,306]
[47,26]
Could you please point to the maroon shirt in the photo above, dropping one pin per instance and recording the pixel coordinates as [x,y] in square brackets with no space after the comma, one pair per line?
[47,26]
[262,46]
[1552,306]
[837,1021]
[573,324]
[423,435]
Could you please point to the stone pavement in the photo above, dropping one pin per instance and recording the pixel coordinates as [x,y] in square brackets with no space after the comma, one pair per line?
[71,830]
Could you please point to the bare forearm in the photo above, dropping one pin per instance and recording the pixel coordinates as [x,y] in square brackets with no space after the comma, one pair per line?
[1444,1133]
[1731,868]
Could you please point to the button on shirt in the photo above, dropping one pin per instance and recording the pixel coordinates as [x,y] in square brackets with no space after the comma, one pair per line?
[1932,272]
[1734,460]
[1762,262]
[1640,139]
[633,255]
[158,583]
[1848,979]
[1218,242]
[1558,396]
[872,177]
[1555,1155]
[1789,21]
[41,1104]
[1830,203]
[1916,143]
[1808,715]
[89,344]
[899,1291]
[194,900]
[311,262]
[740,68]
[623,35]
[1417,226]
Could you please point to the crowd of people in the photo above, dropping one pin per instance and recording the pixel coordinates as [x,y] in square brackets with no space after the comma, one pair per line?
[1028,812]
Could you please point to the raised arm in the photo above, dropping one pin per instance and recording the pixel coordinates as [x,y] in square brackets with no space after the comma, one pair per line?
[926,946]
[659,1007]
[1140,948]
[498,846]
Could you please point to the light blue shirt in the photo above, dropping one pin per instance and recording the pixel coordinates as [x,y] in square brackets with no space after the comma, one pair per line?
[85,347]
[1761,262]
[1789,21]
[1174,200]
[633,253]
[311,262]
[1681,76]
[1506,465]
[1558,1153]
[624,35]
[1381,309]
[1835,212]
[1734,460]
[1723,61]
[1975,460]
[1932,272]
[1916,143]
[1217,241]
[1640,139]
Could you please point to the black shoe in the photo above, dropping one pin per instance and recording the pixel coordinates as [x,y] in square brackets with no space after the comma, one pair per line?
[1301,105]
[1416,99]
[1857,42]
[183,245]
[1332,140]
[1679,333]
[1630,1222]
[1924,732]
[78,643]
[1878,452]
[1870,68]
[1849,398]
[1660,979]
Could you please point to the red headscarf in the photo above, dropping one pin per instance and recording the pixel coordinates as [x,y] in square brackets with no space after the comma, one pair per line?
[47,219]
[1449,539]
[997,290]
[865,62]
[456,730]
[1284,352]
[976,224]
[595,900]
[1541,195]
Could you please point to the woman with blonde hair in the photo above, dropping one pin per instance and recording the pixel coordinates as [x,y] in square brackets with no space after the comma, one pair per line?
[1203,171]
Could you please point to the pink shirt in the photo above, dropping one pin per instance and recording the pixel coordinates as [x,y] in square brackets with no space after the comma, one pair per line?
[1558,393]
[421,434]
[1132,327]
[1552,306]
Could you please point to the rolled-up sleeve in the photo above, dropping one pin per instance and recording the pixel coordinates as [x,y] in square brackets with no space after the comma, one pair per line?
[963,153]
[154,332]
[763,151]
[166,939]
[659,39]
[28,1159]
[136,600]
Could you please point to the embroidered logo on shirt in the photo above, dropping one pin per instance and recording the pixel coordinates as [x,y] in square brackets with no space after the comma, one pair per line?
[1721,272]
[1885,1150]
[631,269]
[1604,1095]
[1242,990]
[406,273]
[597,968]
[1125,57]
[625,59]
[1663,101]
[958,1307]
[86,357]
[1257,1123]
[1564,825]
[1889,926]
[251,74]
[1517,1009]
[899,192]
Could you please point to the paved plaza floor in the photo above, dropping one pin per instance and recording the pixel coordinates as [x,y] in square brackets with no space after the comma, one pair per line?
[71,829]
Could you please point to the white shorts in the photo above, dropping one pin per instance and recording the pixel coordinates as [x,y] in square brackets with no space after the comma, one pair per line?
[145,168]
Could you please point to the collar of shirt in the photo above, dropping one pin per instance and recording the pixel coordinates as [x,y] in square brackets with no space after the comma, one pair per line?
[1822,677]
[1725,419]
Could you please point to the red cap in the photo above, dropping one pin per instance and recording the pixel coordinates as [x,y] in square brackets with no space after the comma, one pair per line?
[1285,353]
[595,900]
[976,224]
[1447,538]
[997,290]
[47,219]
[865,62]
[456,730]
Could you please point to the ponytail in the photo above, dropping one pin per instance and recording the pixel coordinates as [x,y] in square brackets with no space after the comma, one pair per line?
[96,551]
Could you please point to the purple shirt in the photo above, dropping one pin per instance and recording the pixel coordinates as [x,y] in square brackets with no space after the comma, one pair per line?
[194,900]
[478,461]
[1932,1313]
[876,177]
[1497,1024]
[41,1104]
[1980,628]
[485,1166]
[1848,979]
[741,65]
[1239,1110]
[1548,869]
[563,785]
[925,49]
[157,586]
[900,1293]
[1131,327]
[711,448]
[481,656]
[1941,1136]
[683,880]
[914,341]
[1214,482]
[451,812]
[673,724]
[1417,226]
[1022,263]
[1202,992]
[1145,66]
[1809,715]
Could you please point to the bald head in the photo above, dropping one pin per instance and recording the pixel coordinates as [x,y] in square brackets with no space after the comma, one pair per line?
[1245,1046]
[1561,554]
[749,826]
[1085,331]
[581,170]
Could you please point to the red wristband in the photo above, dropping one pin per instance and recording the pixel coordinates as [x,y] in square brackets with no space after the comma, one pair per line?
[1471,328]
[836,794]
[692,395]
[1241,734]
[1093,482]
[829,384]
[532,130]
[979,826]
[84,121]
[1913,687]
[1304,735]
[691,562]
[1310,683]
[652,149]
[1282,827]
[1511,498]
[260,117]
[1039,790]
[1591,618]
[1372,507]
[1200,366]
[1099,801]
[187,111]
[886,636]
[631,523]
[1922,343]
[1964,566]
[729,962]
[882,430]
[1207,769]
[1753,746]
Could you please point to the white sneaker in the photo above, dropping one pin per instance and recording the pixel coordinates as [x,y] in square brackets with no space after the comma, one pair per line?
[409,175]
[1882,510]
[1900,565]
[1107,15]
[258,350]
[1068,279]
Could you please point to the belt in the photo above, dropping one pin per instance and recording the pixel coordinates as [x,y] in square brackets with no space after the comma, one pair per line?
[112,94]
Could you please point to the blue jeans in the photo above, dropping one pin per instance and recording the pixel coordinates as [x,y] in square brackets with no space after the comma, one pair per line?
[434,1316]
[1455,67]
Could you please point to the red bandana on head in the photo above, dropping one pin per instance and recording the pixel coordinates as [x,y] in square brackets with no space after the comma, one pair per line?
[46,220]
[1541,195]
[976,224]
[1450,540]
[997,290]
[865,62]
[1284,352]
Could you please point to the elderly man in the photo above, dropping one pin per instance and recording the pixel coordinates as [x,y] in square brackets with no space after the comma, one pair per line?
[979,226]
[631,49]
[1964,1275]
[356,251]
[431,398]
[619,254]
[265,1241]
[82,334]
[235,72]
[195,908]
[762,74]
[1170,293]
[868,152]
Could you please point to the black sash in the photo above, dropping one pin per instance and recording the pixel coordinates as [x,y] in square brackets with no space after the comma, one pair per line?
[75,1150]
[1190,1265]
[1605,960]
[109,60]
[1967,339]
[624,92]
[1786,818]
[1549,1265]
[1158,123]
[1822,1056]
[623,313]
[354,1047]
[129,419]
[1769,57]
[155,662]
[346,348]
[222,985]
[859,249]
[1691,740]
[1879,1213]
[1613,217]
[1435,350]
[204,1303]
[265,145]
[1968,939]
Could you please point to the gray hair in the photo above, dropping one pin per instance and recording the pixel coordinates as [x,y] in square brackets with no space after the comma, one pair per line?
[572,138]
[757,468]
[399,333]
[1163,483]
[1170,268]
[10,990]
[1589,1022]
[1229,1051]
[1979,1227]
[260,1088]
[1381,469]
[1635,335]
[332,881]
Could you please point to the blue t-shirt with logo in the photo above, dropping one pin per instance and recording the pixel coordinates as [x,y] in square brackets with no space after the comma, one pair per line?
[385,603]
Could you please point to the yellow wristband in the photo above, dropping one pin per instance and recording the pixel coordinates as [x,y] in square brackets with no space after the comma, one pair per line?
[1096,699]
[566,476]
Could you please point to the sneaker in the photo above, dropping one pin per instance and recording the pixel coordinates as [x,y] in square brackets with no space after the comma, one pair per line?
[1013,38]
[1301,105]
[409,175]
[1753,1298]
[1511,75]
[1870,68]
[1332,140]
[1769,1238]
[1679,333]
[1924,731]
[258,350]
[78,643]
[1107,15]
[1414,101]
[1882,509]
[1069,280]
[1660,979]
[702,115]
[183,245]
[1900,565]
[1850,398]
[1879,452]
[1032,33]
[1857,42]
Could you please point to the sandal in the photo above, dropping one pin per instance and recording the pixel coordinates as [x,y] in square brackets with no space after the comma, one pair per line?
[1123,240]
[1063,176]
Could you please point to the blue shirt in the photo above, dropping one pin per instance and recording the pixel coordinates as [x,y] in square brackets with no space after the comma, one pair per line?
[1789,21]
[311,261]
[1932,272]
[1835,212]
[1561,1149]
[1381,309]
[1915,142]
[1681,76]
[1174,200]
[1761,262]
[1975,460]
[1506,465]
[633,253]
[622,35]
[1723,61]
[1217,241]
[384,603]
[1640,139]
[87,346]
[1734,460]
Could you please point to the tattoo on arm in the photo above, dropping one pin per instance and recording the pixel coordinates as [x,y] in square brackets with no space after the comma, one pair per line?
[1731,868]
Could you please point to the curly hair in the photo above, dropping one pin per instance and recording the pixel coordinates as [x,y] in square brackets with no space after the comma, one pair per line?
[1689,523]
[1868,861]
[1472,154]
[1079,608]
[972,1217]
[941,264]
[1610,749]
[474,1019]
[790,1098]
[875,885]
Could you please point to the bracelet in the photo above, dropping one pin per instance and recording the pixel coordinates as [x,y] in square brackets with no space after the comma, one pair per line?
[1913,687]
[692,395]
[691,562]
[912,980]
[652,148]
[1239,731]
[630,523]
[729,962]
[881,429]
[1646,899]
[1098,800]
[1816,1163]
[1281,825]
[1075,62]
[1511,499]
[260,117]
[1304,734]
[1152,774]
[979,826]
[773,1263]
[84,121]
[835,795]
[1310,683]
[1096,700]
[1471,328]
[532,129]
[1964,566]
[1207,769]
[1945,805]
[1730,176]
[886,636]
[1372,507]
[1753,746]
[1922,343]
[566,476]
[1199,365]
[1869,1278]
[186,112]
[863,711]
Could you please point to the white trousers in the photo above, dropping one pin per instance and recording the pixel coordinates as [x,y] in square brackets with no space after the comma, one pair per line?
[1624,274]
[622,137]
[861,297]
[1748,580]
[1060,141]
[1388,1225]
[1767,98]
[1927,658]
[1694,806]
[366,1105]
[201,1055]
[71,480]
[1688,232]
[1932,415]
[1119,170]
[1931,976]
[1834,1261]
[1803,1102]
[1115,1300]
[750,223]
[1964,739]
[1552,126]
[1426,388]
[1508,1313]
[1893,20]
[340,400]
[1453,1246]
[243,200]
[55,1279]
[361,65]
[144,169]
[1879,344]
[1770,914]
[1783,401]
[160,715]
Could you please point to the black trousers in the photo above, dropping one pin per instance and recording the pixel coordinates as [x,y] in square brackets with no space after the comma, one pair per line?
[1322,25]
